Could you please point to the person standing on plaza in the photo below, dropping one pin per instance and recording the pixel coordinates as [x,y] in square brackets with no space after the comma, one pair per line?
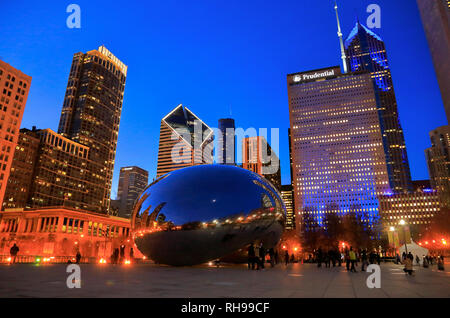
[256,259]
[319,257]
[364,262]
[272,257]
[286,258]
[13,252]
[78,257]
[122,253]
[262,255]
[352,256]
[251,256]
[417,260]
[116,256]
[425,261]
[440,263]
[131,254]
[347,259]
[408,266]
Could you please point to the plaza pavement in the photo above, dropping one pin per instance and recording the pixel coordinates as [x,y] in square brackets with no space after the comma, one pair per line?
[146,280]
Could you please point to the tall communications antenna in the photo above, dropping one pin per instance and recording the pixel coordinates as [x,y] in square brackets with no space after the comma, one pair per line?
[341,41]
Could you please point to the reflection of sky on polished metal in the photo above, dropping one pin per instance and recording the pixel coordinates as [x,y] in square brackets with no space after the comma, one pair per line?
[207,192]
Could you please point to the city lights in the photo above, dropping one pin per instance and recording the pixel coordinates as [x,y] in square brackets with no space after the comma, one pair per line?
[199,207]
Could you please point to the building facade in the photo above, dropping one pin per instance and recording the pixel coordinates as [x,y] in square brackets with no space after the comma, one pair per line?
[14,88]
[438,160]
[365,51]
[20,180]
[51,170]
[132,182]
[184,141]
[61,232]
[91,112]
[435,16]
[339,163]
[257,156]
[416,208]
[287,194]
[226,142]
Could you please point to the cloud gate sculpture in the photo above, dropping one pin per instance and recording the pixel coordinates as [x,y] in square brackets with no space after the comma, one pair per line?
[202,213]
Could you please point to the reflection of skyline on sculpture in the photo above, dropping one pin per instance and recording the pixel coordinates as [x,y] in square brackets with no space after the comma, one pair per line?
[207,211]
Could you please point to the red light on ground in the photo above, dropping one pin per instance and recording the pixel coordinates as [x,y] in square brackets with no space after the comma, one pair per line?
[127,262]
[284,247]
[426,242]
[102,261]
[434,241]
[145,257]
[420,244]
[295,249]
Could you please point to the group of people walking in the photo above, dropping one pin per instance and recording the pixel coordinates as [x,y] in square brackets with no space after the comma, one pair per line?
[350,256]
[118,255]
[257,257]
[427,260]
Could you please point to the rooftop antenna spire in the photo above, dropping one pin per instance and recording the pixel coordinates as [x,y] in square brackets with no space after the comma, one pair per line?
[341,41]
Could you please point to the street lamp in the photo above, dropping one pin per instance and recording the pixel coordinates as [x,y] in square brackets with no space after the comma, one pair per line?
[403,223]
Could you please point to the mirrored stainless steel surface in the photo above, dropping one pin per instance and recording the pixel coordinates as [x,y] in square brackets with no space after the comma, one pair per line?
[201,213]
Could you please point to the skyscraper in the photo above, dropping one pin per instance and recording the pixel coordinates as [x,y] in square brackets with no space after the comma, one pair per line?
[14,88]
[339,163]
[22,170]
[50,170]
[91,113]
[290,156]
[257,156]
[226,142]
[438,160]
[132,182]
[436,22]
[184,141]
[365,51]
[287,194]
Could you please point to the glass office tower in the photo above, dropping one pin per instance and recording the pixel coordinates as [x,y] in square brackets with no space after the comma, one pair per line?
[339,162]
[226,149]
[184,141]
[365,51]
[91,113]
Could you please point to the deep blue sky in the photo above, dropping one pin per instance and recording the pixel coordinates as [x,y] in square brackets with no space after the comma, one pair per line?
[209,55]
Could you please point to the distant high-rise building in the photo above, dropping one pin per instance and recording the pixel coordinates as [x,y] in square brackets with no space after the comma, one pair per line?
[287,194]
[91,113]
[184,141]
[339,163]
[226,142]
[365,51]
[22,170]
[257,156]
[438,160]
[132,182]
[14,88]
[436,22]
